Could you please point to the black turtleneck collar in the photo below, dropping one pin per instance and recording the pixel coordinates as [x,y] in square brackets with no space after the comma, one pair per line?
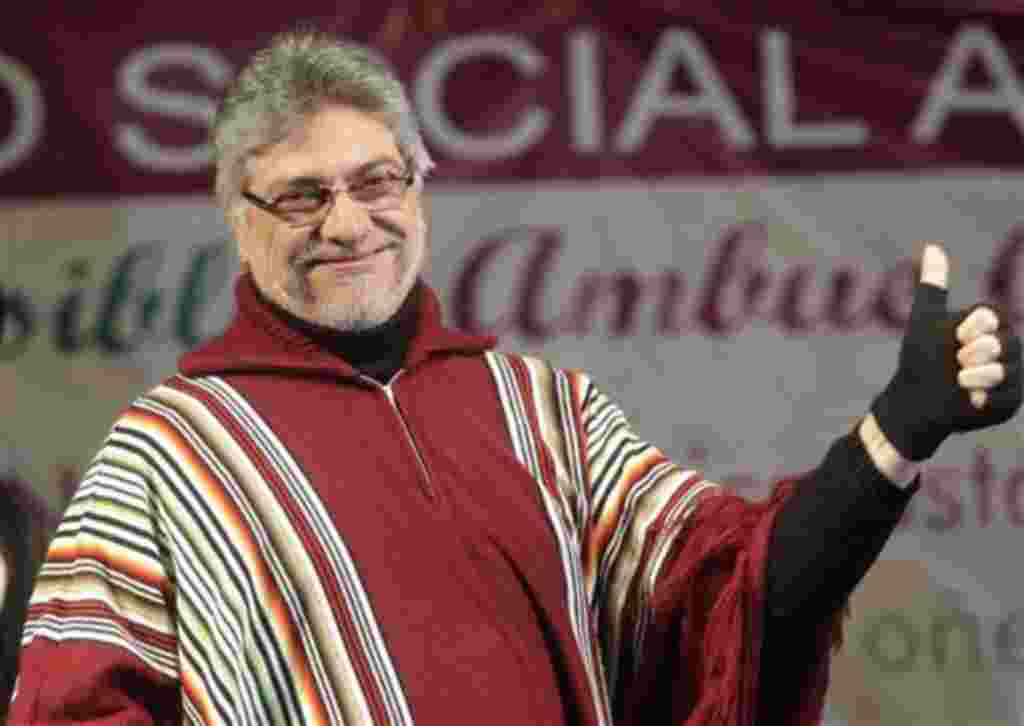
[261,339]
[377,352]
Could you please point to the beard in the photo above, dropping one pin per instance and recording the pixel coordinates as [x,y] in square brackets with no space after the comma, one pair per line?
[357,303]
[365,305]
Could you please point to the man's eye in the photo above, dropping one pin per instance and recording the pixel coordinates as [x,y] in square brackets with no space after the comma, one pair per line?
[375,187]
[300,200]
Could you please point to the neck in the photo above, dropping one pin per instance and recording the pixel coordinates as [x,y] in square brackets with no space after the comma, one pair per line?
[377,352]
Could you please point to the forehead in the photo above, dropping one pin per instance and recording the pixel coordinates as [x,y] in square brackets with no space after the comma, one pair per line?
[331,143]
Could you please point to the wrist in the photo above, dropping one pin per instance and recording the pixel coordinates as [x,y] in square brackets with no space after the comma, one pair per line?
[898,469]
[910,417]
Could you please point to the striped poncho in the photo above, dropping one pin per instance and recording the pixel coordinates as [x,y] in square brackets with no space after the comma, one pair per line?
[218,565]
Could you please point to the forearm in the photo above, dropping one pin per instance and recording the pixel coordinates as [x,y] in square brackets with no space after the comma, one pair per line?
[825,538]
[890,462]
[835,525]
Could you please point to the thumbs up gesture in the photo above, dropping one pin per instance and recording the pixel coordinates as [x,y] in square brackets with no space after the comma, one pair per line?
[958,370]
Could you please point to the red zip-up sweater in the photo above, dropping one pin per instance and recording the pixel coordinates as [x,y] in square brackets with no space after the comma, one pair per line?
[272,537]
[444,526]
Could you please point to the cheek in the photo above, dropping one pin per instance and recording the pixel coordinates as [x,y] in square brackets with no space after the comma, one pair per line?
[267,250]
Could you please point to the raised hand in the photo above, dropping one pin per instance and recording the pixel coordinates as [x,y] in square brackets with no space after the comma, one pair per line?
[958,370]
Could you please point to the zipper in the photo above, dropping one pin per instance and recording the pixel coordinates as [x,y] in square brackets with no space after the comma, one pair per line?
[389,394]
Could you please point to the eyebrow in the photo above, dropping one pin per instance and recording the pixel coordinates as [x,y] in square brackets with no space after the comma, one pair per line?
[310,180]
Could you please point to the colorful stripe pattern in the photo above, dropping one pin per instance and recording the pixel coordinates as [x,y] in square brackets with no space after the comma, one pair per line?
[616,504]
[271,620]
[196,544]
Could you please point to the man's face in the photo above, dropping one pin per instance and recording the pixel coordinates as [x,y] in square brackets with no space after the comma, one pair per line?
[353,270]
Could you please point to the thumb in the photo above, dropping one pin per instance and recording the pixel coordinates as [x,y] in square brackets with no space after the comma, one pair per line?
[931,291]
[935,266]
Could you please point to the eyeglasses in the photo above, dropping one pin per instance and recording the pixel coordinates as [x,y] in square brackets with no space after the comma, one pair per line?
[306,205]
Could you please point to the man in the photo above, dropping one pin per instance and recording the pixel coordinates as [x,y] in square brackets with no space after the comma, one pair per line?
[343,512]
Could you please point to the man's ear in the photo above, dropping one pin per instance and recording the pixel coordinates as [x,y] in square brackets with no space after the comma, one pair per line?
[243,259]
[237,222]
[5,573]
[424,220]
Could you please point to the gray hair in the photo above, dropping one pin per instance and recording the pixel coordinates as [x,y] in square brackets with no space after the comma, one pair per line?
[291,79]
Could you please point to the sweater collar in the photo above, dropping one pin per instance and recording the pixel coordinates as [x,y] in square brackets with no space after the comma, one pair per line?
[259,339]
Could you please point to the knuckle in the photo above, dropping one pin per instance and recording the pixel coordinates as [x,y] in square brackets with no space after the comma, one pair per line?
[988,348]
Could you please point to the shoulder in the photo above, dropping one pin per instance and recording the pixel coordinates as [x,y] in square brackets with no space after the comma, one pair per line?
[541,384]
[157,400]
[165,422]
[535,365]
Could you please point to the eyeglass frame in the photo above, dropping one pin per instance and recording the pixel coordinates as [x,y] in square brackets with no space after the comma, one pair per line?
[409,178]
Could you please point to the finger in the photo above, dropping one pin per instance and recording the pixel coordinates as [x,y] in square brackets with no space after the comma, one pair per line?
[935,266]
[979,397]
[986,376]
[931,292]
[981,350]
[981,321]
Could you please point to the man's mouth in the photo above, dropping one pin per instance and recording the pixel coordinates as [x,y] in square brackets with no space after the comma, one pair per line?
[345,260]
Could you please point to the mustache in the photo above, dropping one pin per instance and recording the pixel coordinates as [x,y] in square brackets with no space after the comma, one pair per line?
[317,248]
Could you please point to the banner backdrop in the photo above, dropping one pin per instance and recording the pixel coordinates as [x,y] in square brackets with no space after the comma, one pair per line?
[714,210]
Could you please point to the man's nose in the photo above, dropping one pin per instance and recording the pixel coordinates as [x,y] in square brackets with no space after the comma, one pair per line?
[347,222]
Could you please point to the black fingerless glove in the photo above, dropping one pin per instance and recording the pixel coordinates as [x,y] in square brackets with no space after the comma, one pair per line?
[924,403]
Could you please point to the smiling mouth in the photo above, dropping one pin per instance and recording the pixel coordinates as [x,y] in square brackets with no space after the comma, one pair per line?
[349,260]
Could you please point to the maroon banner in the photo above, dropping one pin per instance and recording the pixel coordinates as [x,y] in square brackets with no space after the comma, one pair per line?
[116,99]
